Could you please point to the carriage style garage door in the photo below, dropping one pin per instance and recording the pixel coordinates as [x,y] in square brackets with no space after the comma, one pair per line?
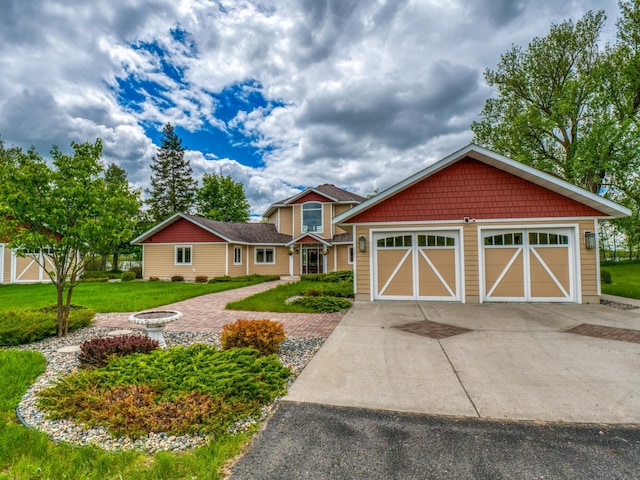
[423,265]
[528,265]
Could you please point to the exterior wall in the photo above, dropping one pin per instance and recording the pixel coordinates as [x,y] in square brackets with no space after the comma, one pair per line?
[5,275]
[286,220]
[207,259]
[588,259]
[337,210]
[242,268]
[280,267]
[183,231]
[342,258]
[470,188]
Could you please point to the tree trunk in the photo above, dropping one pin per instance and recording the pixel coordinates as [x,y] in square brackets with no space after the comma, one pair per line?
[104,262]
[114,264]
[60,322]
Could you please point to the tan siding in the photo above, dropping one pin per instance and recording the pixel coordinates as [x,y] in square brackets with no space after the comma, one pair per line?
[363,266]
[342,252]
[588,264]
[339,209]
[241,269]
[286,226]
[327,226]
[296,212]
[207,259]
[6,273]
[470,261]
[280,267]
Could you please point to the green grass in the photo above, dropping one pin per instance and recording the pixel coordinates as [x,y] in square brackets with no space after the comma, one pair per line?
[28,454]
[625,278]
[273,300]
[114,296]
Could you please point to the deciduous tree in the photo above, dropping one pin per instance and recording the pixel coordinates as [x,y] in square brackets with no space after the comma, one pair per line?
[65,211]
[222,198]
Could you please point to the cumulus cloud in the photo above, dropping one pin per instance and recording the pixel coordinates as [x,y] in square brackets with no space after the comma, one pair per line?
[356,93]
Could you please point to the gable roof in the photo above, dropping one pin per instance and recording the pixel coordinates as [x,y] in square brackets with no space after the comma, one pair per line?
[234,232]
[326,190]
[607,207]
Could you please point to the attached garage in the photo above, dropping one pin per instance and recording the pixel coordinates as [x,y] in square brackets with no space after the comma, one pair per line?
[478,227]
[420,265]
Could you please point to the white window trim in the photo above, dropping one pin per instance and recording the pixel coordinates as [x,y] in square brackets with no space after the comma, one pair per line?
[303,226]
[237,249]
[255,255]
[175,255]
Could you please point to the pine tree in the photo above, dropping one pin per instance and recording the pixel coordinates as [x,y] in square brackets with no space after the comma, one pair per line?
[173,188]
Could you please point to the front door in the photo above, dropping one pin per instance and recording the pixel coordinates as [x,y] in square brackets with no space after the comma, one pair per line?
[312,260]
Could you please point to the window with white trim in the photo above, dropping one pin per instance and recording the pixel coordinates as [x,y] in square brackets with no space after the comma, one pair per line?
[312,217]
[237,255]
[350,256]
[183,255]
[265,255]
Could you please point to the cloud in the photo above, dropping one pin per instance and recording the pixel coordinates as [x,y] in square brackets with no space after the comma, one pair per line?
[353,92]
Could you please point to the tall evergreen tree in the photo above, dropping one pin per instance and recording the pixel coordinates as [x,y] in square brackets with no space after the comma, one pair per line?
[173,188]
[222,198]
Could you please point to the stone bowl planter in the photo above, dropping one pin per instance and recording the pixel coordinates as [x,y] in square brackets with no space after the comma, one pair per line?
[154,322]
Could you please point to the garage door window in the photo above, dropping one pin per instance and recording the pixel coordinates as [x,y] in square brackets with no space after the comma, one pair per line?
[395,242]
[504,239]
[543,238]
[436,241]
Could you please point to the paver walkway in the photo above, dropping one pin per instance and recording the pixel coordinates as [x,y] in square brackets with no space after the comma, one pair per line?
[207,313]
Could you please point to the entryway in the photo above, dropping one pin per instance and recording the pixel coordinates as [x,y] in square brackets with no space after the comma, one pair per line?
[312,260]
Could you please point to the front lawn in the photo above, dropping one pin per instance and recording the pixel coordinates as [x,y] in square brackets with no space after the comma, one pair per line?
[324,295]
[116,296]
[27,453]
[625,279]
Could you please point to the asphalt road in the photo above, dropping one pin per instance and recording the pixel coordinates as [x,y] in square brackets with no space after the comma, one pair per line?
[310,441]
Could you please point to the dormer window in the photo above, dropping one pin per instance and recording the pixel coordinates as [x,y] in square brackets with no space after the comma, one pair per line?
[312,217]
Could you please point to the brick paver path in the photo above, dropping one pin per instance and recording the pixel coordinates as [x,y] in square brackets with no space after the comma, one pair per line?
[206,313]
[609,333]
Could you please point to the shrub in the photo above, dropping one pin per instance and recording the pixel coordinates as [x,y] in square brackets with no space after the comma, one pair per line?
[177,278]
[137,270]
[342,289]
[263,335]
[99,351]
[100,274]
[225,278]
[605,276]
[202,279]
[95,280]
[197,389]
[333,277]
[20,326]
[154,279]
[128,276]
[323,304]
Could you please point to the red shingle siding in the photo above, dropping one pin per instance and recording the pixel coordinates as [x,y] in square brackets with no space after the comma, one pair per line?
[307,239]
[470,188]
[312,197]
[183,231]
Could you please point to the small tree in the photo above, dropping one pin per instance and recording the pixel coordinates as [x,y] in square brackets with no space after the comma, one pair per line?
[222,198]
[65,211]
[173,188]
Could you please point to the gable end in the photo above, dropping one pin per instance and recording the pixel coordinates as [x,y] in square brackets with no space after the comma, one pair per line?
[183,231]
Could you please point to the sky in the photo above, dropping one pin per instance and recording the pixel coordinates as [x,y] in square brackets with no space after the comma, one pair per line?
[278,94]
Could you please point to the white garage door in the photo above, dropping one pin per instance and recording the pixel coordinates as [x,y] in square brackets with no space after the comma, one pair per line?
[528,265]
[422,265]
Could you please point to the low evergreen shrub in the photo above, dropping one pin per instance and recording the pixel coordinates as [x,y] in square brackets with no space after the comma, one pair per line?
[128,276]
[224,278]
[137,270]
[197,389]
[108,274]
[323,303]
[177,278]
[95,280]
[98,352]
[263,335]
[22,326]
[605,276]
[202,279]
[333,277]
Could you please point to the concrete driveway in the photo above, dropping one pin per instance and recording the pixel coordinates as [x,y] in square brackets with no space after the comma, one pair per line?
[496,361]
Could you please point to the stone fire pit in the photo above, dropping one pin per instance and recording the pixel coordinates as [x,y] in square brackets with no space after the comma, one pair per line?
[154,322]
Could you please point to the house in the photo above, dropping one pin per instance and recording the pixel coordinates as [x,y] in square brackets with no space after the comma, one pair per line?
[298,236]
[478,227]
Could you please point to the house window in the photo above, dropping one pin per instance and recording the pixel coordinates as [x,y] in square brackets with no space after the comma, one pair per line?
[183,255]
[312,217]
[350,257]
[265,255]
[237,256]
